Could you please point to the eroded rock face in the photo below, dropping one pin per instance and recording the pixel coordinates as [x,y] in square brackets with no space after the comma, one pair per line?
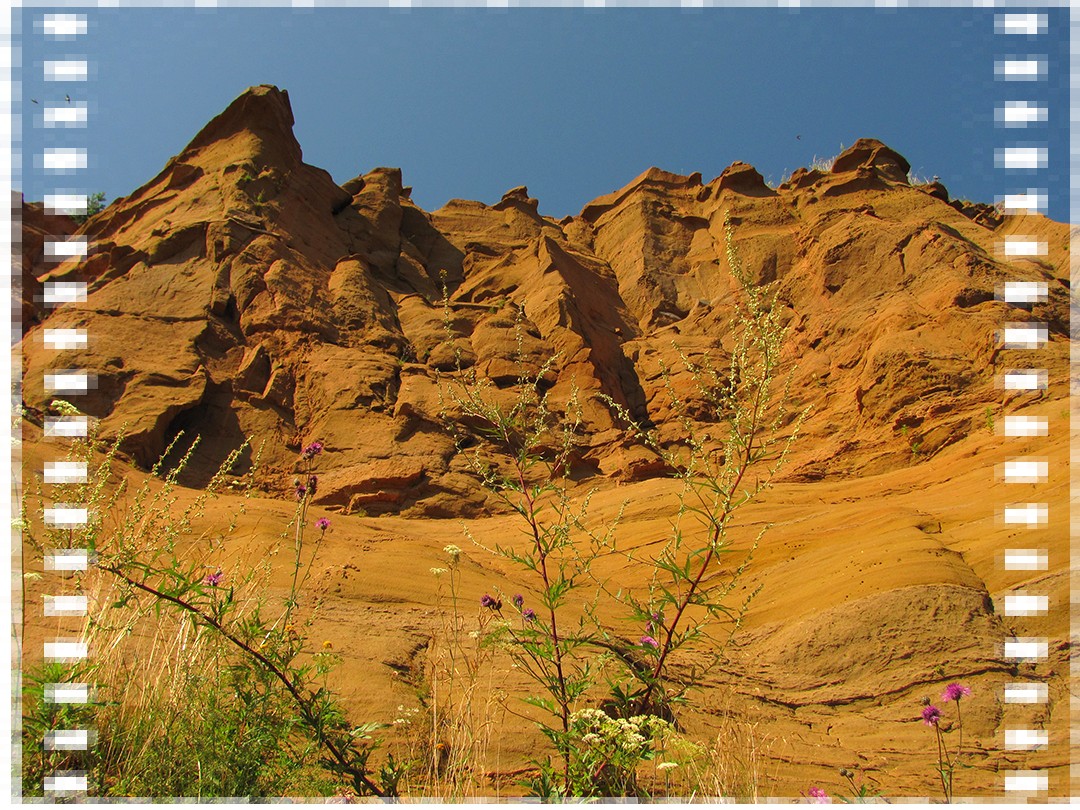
[37,228]
[242,295]
[867,153]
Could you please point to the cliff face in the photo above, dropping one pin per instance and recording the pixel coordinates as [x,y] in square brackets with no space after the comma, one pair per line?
[242,294]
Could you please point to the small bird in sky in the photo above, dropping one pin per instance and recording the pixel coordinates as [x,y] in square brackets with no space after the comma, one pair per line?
[34,100]
[798,137]
[68,98]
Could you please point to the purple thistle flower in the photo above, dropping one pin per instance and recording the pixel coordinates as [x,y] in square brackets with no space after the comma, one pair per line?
[518,601]
[529,615]
[312,482]
[312,450]
[301,491]
[955,691]
[323,524]
[818,795]
[214,579]
[490,602]
[931,715]
[650,641]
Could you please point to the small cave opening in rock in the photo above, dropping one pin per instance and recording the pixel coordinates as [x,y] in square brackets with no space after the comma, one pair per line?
[218,432]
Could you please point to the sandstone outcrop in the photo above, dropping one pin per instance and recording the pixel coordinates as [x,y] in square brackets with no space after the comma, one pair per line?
[244,296]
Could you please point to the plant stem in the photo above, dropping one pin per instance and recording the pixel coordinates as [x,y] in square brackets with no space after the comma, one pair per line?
[714,540]
[561,695]
[960,725]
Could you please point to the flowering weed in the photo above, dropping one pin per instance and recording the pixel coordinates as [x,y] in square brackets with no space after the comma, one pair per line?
[932,716]
[561,643]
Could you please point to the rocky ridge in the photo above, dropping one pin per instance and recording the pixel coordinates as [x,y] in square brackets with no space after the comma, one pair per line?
[242,294]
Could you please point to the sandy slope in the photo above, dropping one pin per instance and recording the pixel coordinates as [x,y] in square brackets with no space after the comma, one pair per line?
[875,593]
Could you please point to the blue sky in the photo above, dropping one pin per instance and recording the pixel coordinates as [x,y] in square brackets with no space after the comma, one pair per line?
[573,103]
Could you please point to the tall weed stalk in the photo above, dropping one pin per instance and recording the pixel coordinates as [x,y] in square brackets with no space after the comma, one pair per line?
[691,583]
[560,640]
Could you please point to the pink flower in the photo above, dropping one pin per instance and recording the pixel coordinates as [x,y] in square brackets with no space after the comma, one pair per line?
[490,602]
[931,715]
[529,615]
[214,579]
[818,795]
[312,450]
[323,524]
[955,691]
[650,641]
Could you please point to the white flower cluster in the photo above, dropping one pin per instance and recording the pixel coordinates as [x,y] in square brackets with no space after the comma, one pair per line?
[406,716]
[630,735]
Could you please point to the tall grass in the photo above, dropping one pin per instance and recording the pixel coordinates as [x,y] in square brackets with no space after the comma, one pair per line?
[190,660]
[452,739]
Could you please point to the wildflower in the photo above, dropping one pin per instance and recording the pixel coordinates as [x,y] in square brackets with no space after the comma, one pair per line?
[64,408]
[312,450]
[453,551]
[591,720]
[518,601]
[931,715]
[667,766]
[650,641]
[301,491]
[328,645]
[214,579]
[818,795]
[438,571]
[323,524]
[955,691]
[529,615]
[491,602]
[312,482]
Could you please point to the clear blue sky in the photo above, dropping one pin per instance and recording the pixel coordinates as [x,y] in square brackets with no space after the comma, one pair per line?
[572,103]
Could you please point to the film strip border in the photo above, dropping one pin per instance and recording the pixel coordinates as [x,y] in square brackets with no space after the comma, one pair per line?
[65,107]
[1023,74]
